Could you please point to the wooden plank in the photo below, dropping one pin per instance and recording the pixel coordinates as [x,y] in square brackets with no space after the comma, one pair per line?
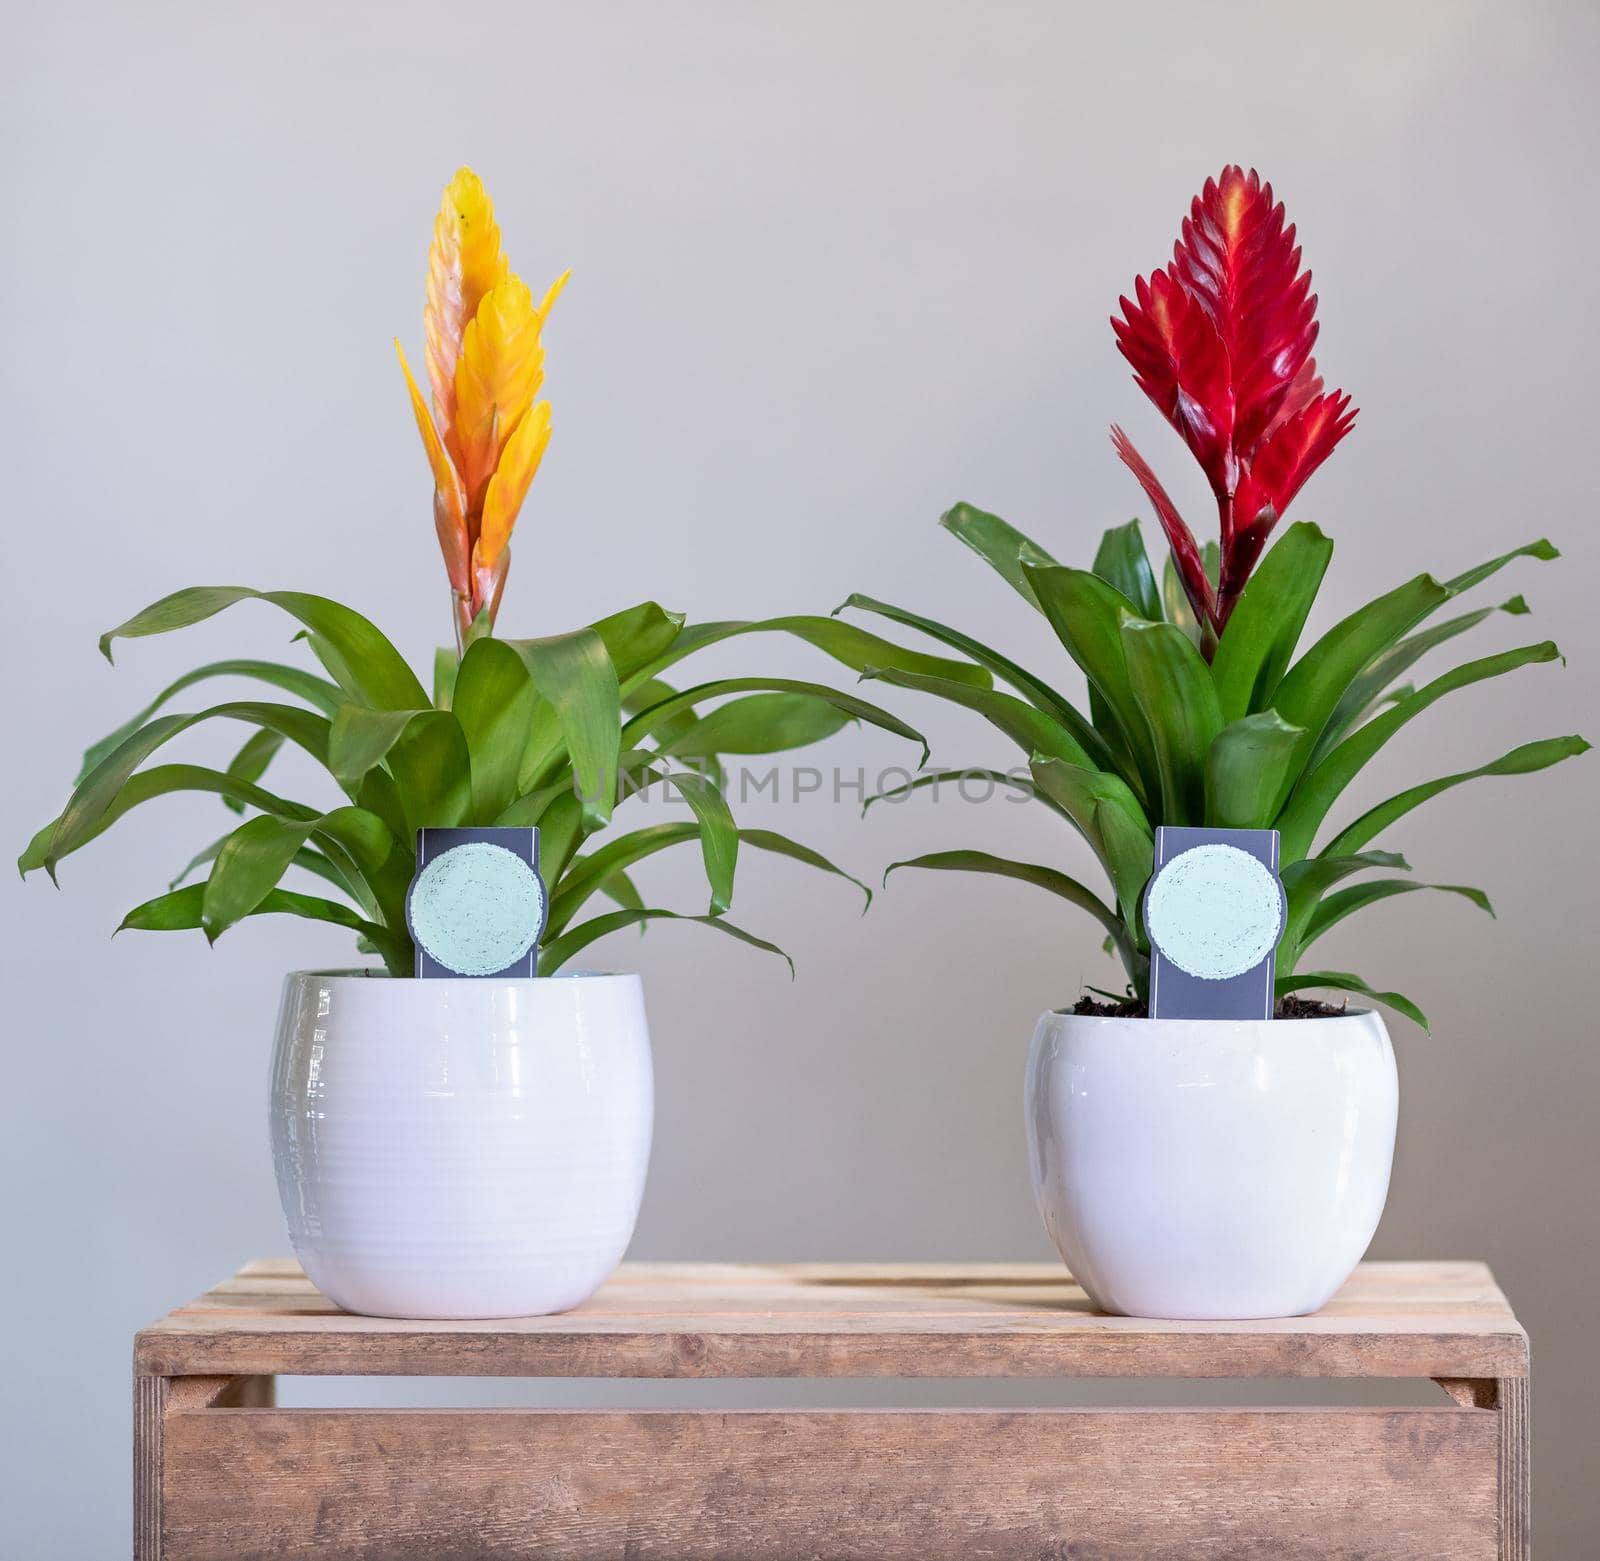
[1516,1510]
[150,1397]
[222,1393]
[1472,1392]
[1445,1320]
[1176,1485]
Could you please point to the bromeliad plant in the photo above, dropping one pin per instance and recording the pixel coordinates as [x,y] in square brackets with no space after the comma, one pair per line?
[1199,709]
[554,732]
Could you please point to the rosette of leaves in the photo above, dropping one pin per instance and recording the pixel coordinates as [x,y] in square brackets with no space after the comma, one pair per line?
[560,732]
[556,732]
[1202,707]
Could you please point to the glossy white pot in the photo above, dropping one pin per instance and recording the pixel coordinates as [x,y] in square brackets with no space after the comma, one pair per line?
[1211,1168]
[460,1148]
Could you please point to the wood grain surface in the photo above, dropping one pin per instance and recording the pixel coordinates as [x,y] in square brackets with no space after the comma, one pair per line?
[905,1486]
[1436,1319]
[222,1475]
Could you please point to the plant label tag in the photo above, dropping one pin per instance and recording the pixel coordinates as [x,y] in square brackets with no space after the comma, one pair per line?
[477,905]
[1214,909]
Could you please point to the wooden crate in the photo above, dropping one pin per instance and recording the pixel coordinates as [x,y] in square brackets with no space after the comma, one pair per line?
[221,1472]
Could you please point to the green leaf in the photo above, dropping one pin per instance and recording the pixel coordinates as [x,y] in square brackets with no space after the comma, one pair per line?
[847,643]
[432,771]
[426,752]
[1030,728]
[257,854]
[361,738]
[1311,691]
[992,778]
[719,835]
[161,781]
[636,637]
[96,792]
[1318,873]
[641,696]
[781,845]
[180,911]
[368,660]
[317,692]
[622,890]
[589,873]
[1109,817]
[574,674]
[250,763]
[999,545]
[493,700]
[446,666]
[561,826]
[1246,770]
[636,640]
[334,864]
[530,807]
[1360,655]
[1541,549]
[1305,882]
[1122,561]
[1086,615]
[1037,692]
[1174,692]
[1332,910]
[1342,981]
[650,720]
[1264,628]
[557,952]
[1048,878]
[379,794]
[758,723]
[1365,693]
[1321,787]
[1176,602]
[1525,760]
[307,859]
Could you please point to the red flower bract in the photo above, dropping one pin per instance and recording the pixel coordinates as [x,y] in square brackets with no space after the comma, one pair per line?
[1221,342]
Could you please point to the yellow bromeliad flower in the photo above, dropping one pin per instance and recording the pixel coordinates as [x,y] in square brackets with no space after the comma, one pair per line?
[486,433]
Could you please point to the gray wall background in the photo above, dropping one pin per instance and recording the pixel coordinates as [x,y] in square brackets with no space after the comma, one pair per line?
[834,267]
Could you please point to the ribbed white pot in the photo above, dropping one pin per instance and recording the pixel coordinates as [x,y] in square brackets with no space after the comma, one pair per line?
[460,1148]
[1211,1168]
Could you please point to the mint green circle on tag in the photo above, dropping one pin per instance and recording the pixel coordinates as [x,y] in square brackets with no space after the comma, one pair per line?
[1214,911]
[476,908]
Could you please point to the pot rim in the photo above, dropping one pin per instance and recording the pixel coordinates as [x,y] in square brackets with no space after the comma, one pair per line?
[364,973]
[1215,1025]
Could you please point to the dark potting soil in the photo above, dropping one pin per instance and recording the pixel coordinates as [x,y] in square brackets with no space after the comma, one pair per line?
[1288,1008]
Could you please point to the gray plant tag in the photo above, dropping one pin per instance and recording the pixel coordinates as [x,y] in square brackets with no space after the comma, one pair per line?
[1214,909]
[477,905]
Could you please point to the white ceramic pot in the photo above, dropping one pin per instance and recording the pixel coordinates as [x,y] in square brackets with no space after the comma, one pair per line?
[460,1148]
[1211,1168]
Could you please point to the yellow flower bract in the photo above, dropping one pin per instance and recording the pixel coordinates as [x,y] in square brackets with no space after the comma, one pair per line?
[486,431]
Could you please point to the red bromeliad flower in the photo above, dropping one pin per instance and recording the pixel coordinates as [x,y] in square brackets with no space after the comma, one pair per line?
[1221,342]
